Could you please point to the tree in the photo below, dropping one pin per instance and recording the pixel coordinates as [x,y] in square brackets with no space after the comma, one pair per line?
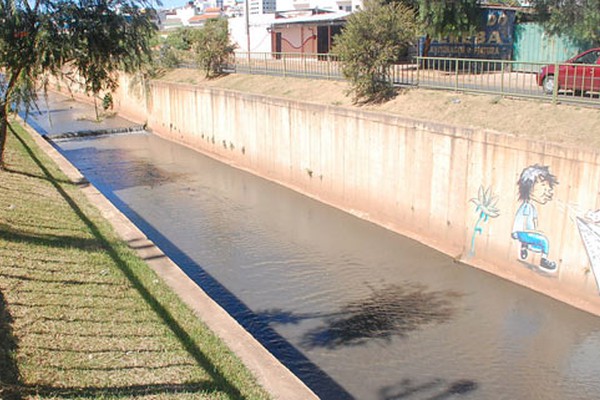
[577,19]
[446,18]
[370,43]
[92,39]
[442,18]
[181,39]
[212,46]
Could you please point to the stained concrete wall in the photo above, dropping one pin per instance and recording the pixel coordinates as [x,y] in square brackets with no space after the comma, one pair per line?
[417,178]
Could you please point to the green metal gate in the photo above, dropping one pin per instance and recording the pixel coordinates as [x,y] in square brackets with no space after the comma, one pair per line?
[532,44]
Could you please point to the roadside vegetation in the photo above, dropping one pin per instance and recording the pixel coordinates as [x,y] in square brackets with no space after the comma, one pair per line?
[208,47]
[72,40]
[81,316]
[370,44]
[380,34]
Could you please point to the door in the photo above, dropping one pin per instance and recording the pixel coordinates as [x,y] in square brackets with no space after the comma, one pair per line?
[593,72]
[322,39]
[581,73]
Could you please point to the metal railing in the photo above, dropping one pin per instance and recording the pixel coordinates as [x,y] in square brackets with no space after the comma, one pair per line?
[499,77]
[303,65]
[508,78]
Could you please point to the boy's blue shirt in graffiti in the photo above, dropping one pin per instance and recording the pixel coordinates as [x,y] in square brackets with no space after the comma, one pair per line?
[525,218]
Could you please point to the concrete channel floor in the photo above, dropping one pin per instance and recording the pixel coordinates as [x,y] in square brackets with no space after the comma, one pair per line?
[269,372]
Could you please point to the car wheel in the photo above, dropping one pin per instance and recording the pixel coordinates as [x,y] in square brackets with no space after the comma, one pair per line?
[548,84]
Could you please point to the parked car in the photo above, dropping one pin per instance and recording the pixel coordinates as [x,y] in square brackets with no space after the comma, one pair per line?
[578,74]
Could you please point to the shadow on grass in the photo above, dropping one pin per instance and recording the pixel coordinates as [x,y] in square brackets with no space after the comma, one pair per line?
[9,372]
[13,235]
[29,175]
[74,282]
[116,392]
[219,381]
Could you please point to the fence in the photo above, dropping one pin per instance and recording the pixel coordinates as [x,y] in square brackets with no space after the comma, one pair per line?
[567,83]
[317,66]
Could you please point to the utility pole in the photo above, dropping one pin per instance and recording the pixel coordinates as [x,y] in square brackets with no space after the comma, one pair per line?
[248,28]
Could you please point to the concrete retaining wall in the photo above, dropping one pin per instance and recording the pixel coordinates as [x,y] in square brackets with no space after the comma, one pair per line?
[421,179]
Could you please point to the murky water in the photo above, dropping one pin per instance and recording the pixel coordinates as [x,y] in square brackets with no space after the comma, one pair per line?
[353,309]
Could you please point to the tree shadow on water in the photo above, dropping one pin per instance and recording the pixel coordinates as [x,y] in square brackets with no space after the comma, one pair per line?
[9,372]
[393,311]
[434,389]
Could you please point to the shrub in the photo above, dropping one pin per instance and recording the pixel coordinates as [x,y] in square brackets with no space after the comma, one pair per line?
[371,42]
[212,47]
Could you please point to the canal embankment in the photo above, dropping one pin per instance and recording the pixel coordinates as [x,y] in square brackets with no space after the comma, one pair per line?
[82,314]
[456,188]
[355,310]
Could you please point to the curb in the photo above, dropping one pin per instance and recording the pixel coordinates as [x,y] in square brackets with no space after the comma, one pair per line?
[270,373]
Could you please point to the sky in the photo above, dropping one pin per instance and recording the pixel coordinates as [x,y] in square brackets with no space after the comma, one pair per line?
[172,3]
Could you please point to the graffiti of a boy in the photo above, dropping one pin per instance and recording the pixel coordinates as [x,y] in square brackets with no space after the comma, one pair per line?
[536,185]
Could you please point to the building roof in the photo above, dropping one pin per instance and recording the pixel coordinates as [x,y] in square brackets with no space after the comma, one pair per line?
[313,19]
[172,21]
[203,17]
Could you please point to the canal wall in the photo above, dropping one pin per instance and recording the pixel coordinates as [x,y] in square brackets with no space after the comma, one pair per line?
[459,190]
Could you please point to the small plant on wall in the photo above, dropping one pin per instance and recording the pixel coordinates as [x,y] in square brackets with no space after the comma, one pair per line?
[486,206]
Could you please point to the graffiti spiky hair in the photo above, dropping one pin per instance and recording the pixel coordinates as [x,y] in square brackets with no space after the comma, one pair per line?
[532,174]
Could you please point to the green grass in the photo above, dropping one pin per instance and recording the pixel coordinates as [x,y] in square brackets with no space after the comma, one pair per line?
[81,316]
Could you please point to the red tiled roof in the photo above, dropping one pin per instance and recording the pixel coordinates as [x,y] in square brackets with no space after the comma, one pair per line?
[203,17]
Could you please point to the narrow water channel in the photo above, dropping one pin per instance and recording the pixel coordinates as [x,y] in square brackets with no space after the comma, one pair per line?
[354,310]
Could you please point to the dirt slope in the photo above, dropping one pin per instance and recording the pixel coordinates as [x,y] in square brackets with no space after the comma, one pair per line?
[568,125]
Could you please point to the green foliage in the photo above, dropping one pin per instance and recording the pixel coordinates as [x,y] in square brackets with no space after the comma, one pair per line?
[370,43]
[107,102]
[181,39]
[212,46]
[167,57]
[93,40]
[441,18]
[577,19]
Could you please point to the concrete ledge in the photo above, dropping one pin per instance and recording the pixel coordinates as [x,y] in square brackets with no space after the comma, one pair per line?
[269,372]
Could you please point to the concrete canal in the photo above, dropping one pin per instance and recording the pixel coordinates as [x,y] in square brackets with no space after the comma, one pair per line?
[354,310]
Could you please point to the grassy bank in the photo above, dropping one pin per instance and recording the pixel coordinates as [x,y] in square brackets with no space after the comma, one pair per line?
[81,316]
[563,124]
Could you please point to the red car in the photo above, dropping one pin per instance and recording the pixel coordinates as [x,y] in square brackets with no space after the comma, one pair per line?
[578,74]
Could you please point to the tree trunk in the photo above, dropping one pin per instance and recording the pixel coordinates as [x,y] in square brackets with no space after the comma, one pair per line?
[4,111]
[427,46]
[96,108]
[3,132]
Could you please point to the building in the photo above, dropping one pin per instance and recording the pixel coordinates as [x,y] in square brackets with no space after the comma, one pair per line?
[260,36]
[311,31]
[331,5]
[258,7]
[209,13]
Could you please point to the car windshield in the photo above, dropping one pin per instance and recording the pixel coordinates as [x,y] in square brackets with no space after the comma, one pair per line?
[587,58]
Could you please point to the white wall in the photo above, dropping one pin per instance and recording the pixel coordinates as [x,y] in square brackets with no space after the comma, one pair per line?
[260,38]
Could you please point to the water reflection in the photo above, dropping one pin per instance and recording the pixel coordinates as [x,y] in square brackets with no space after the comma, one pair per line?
[127,170]
[391,311]
[435,389]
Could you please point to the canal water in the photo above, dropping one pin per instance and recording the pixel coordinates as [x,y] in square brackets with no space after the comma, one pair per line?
[354,310]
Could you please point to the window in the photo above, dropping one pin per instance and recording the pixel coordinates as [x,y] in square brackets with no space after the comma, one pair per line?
[588,58]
